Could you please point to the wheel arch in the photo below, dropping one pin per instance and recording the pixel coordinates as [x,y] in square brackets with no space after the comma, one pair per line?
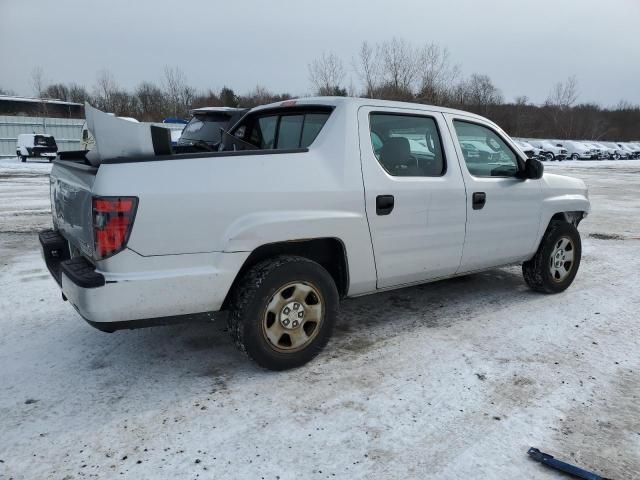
[574,217]
[329,252]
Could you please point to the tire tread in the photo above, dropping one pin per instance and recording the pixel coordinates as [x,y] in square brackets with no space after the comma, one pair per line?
[246,290]
[533,270]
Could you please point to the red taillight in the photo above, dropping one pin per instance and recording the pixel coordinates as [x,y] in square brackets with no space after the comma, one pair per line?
[112,221]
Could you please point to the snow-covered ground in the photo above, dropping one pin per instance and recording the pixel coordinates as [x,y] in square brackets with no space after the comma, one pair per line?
[449,380]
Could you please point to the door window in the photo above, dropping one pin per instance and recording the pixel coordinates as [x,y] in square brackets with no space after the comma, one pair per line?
[485,153]
[407,145]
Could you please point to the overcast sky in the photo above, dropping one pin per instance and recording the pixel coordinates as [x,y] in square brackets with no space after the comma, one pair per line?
[525,46]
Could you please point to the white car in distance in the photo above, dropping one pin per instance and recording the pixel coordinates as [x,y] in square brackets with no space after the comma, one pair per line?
[549,149]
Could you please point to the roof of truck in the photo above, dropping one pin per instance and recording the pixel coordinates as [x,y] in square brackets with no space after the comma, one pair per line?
[358,101]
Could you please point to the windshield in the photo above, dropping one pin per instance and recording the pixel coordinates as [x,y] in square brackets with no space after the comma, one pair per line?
[204,128]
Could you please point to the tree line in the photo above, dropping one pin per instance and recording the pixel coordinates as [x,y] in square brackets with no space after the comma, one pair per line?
[392,70]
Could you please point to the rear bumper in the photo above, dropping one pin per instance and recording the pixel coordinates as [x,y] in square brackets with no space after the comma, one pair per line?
[42,151]
[154,290]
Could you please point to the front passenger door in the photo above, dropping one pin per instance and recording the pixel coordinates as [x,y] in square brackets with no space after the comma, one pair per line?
[503,211]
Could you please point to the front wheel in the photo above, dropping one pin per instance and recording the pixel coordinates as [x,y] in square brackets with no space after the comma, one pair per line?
[283,311]
[575,156]
[555,264]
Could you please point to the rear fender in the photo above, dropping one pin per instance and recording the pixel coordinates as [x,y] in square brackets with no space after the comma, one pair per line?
[351,228]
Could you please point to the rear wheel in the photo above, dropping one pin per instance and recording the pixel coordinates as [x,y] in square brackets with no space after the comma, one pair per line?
[555,264]
[550,156]
[283,311]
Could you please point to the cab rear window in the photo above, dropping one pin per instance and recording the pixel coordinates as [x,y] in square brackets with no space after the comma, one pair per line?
[278,129]
[44,141]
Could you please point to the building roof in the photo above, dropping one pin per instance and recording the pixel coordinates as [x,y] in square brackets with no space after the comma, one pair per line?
[13,98]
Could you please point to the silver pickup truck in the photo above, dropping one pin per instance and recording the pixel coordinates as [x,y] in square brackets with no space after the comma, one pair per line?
[310,201]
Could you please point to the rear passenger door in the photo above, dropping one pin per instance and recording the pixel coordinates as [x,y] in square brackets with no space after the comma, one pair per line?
[414,194]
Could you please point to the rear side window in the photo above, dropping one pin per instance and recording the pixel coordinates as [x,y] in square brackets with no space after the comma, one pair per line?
[407,145]
[290,132]
[264,135]
[284,129]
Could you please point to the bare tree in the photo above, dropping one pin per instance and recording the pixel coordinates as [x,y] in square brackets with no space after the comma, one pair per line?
[564,94]
[367,67]
[261,96]
[562,97]
[37,84]
[327,74]
[437,75]
[37,81]
[77,93]
[178,93]
[398,67]
[478,91]
[57,91]
[150,101]
[105,90]
[207,99]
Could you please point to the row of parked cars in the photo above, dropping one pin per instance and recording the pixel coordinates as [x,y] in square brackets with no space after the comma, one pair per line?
[577,150]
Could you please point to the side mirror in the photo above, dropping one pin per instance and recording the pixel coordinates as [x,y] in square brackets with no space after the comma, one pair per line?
[533,169]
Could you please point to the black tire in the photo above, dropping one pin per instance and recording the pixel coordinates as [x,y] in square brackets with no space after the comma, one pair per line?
[537,272]
[575,156]
[23,159]
[255,292]
[550,156]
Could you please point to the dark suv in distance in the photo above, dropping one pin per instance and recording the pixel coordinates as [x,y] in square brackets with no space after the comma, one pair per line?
[204,130]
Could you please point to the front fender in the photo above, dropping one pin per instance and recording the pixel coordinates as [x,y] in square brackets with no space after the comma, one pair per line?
[560,195]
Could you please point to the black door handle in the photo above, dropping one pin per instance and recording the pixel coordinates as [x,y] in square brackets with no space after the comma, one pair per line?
[384,204]
[479,199]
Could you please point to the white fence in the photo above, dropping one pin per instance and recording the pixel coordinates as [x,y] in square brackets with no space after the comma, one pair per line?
[66,131]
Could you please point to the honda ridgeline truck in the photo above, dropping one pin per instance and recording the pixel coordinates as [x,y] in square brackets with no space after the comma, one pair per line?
[310,201]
